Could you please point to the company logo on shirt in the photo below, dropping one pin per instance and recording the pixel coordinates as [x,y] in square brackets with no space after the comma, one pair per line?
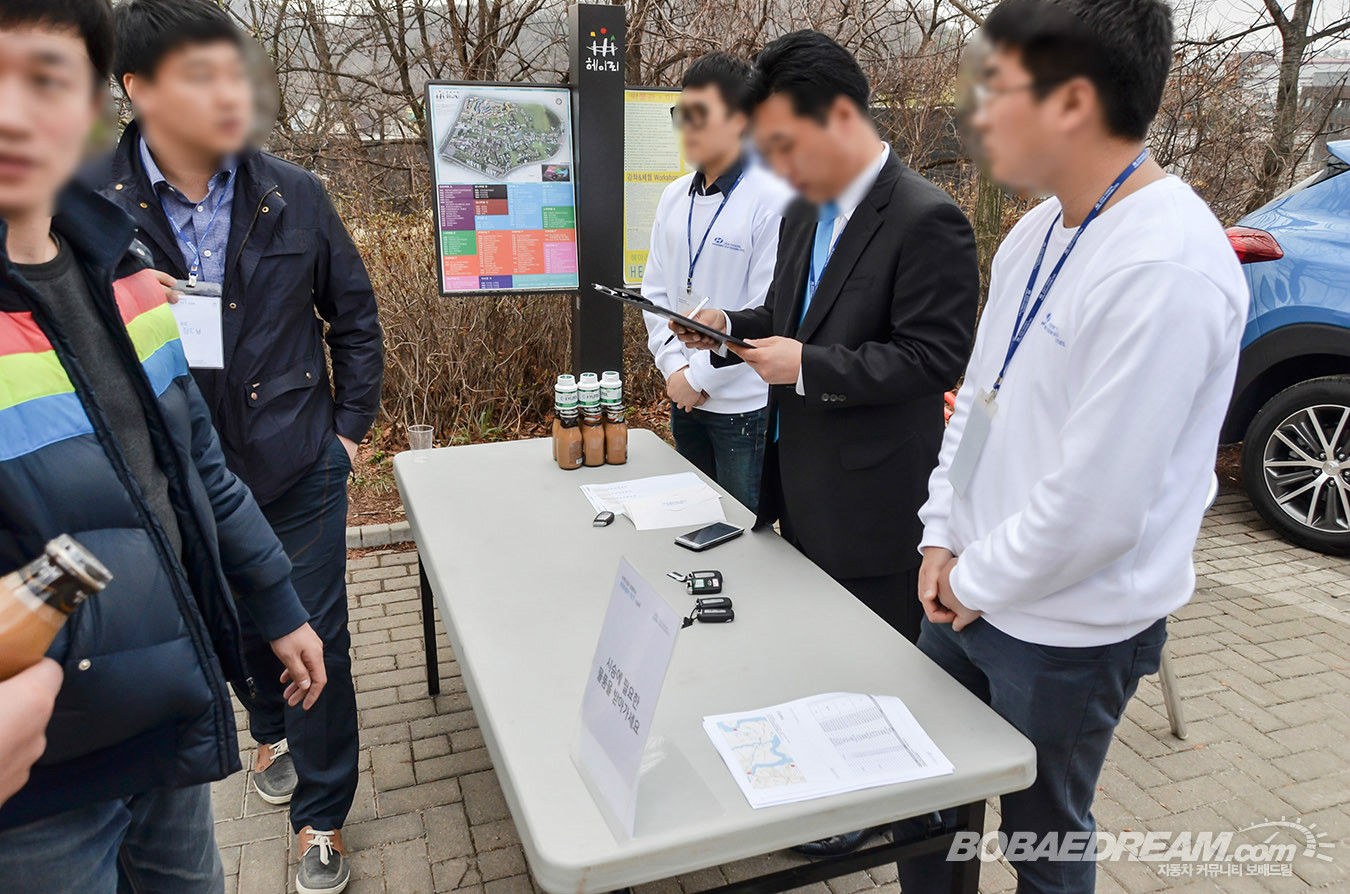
[1052,330]
[723,243]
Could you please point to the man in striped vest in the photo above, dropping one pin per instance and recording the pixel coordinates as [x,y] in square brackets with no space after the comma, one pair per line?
[104,436]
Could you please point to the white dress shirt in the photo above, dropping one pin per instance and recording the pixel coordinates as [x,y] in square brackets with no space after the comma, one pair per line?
[848,202]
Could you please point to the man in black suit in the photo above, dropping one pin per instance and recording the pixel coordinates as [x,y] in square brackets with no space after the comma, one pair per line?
[868,321]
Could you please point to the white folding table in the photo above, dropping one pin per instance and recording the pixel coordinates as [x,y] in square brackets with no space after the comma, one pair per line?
[523,579]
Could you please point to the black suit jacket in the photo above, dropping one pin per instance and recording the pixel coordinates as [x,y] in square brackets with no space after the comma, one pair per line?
[888,331]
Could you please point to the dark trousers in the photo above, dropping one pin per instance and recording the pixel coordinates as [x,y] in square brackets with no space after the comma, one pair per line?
[310,519]
[1067,701]
[894,597]
[727,447]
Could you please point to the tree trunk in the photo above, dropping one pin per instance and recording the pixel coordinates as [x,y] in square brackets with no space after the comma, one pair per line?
[1278,160]
[988,225]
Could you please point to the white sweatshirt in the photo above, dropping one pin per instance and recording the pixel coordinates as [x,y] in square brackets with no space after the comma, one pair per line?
[1078,525]
[734,271]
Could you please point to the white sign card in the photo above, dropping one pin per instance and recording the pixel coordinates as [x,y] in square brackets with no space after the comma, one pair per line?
[201,330]
[637,640]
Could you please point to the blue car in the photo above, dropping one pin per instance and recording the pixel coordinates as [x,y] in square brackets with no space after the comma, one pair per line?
[1291,404]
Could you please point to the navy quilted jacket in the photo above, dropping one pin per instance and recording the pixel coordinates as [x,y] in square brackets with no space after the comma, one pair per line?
[144,703]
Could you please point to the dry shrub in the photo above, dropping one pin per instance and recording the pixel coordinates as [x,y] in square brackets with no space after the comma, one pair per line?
[479,367]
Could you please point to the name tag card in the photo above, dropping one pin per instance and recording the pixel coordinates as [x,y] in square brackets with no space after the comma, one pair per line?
[201,330]
[973,438]
[627,672]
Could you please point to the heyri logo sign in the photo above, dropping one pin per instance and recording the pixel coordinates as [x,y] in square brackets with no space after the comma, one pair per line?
[602,53]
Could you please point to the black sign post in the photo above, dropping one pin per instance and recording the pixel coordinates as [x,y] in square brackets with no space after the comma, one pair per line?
[596,53]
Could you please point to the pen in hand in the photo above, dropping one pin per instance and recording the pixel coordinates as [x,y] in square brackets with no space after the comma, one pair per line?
[693,313]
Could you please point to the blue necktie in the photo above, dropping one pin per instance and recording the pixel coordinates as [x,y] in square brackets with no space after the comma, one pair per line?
[820,256]
[820,252]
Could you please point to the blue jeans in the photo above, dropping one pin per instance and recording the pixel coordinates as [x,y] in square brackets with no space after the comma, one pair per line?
[310,520]
[1067,701]
[727,447]
[159,842]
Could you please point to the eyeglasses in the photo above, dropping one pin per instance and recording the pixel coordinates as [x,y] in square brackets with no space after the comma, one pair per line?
[983,93]
[693,115]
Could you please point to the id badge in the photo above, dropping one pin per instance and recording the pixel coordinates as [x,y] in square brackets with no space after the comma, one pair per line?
[200,287]
[200,327]
[973,439]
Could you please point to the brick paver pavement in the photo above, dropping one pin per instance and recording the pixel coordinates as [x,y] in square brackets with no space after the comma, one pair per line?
[1261,651]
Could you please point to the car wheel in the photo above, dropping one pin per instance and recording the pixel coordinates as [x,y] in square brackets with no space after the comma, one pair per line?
[1296,462]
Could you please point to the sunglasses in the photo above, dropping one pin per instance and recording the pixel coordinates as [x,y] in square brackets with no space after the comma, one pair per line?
[693,115]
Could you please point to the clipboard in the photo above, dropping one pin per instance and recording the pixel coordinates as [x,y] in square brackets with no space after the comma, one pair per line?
[647,306]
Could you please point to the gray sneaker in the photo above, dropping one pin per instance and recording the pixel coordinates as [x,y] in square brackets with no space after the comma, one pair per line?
[323,862]
[274,773]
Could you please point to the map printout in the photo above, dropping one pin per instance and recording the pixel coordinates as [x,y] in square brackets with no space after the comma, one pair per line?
[823,745]
[505,195]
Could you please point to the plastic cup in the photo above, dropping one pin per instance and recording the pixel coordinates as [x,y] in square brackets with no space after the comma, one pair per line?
[419,437]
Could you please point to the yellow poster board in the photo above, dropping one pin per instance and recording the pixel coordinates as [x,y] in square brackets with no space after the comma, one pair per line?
[652,158]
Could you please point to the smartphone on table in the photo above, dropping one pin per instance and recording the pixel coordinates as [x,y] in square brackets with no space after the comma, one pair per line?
[708,537]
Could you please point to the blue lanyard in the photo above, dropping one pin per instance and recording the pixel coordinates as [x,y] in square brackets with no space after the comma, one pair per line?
[814,274]
[1025,319]
[689,231]
[196,266]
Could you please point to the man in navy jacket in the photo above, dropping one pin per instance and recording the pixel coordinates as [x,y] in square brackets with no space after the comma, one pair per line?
[209,204]
[104,436]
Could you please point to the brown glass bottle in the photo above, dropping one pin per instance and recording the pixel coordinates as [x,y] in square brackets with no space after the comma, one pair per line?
[564,404]
[36,600]
[616,436]
[593,439]
[569,443]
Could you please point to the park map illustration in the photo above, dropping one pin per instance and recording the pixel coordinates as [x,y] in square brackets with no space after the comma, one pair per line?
[495,137]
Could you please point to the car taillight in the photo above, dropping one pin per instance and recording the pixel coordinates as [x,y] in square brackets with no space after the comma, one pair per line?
[1254,245]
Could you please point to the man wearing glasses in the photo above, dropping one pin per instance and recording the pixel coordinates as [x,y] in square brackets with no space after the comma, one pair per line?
[1063,513]
[714,240]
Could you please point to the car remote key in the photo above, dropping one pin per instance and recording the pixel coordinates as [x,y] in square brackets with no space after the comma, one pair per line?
[703,583]
[715,615]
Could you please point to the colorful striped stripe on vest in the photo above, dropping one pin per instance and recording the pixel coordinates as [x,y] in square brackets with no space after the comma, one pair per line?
[38,404]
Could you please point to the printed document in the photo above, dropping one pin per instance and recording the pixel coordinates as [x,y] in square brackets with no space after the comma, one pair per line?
[662,501]
[627,673]
[695,506]
[824,745]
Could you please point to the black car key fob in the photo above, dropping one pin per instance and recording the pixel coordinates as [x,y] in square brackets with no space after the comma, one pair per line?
[703,583]
[715,615]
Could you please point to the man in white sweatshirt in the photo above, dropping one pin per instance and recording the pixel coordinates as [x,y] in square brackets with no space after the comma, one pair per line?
[716,237]
[1073,477]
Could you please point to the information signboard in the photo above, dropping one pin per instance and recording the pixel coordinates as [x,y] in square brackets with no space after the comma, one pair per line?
[652,158]
[505,206]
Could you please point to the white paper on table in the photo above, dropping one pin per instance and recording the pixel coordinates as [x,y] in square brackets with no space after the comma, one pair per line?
[611,497]
[628,671]
[824,745]
[201,330]
[682,508]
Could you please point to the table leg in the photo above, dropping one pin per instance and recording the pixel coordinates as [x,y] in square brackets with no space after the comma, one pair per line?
[429,631]
[966,873]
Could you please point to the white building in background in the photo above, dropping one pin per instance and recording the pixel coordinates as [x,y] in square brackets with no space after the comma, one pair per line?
[1324,95]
